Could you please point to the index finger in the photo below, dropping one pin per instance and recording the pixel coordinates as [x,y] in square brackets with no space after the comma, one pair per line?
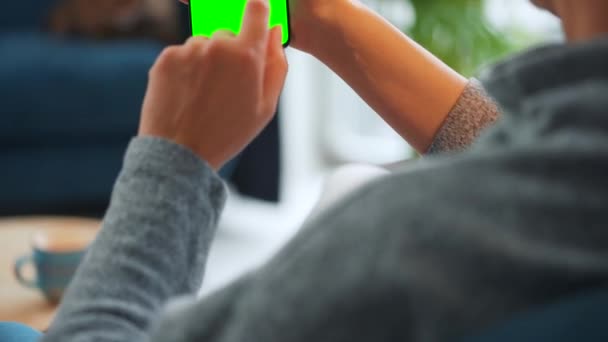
[255,23]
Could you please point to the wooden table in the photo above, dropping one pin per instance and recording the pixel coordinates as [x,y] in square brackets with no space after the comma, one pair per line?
[17,303]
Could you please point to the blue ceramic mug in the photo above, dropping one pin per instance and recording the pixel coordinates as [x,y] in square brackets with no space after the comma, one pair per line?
[55,259]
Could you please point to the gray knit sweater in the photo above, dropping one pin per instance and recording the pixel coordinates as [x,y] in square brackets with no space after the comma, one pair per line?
[517,220]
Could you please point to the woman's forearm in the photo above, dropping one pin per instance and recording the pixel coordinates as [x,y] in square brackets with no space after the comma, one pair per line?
[409,87]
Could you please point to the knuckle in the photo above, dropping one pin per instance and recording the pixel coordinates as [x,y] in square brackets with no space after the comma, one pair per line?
[195,45]
[247,55]
[169,53]
[167,57]
[215,49]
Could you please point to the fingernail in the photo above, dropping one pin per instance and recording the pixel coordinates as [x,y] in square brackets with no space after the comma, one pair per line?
[262,2]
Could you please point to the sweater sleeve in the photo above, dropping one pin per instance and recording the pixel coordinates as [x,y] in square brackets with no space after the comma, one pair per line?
[153,245]
[473,112]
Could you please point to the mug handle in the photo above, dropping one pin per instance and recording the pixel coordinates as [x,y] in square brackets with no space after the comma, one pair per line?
[19,264]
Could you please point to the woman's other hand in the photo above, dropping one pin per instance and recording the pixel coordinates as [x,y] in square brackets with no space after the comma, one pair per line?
[215,95]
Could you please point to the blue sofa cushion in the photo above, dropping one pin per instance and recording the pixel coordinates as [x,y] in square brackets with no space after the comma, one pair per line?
[54,91]
[24,14]
[75,179]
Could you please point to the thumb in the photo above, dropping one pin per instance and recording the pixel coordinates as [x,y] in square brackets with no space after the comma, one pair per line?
[275,70]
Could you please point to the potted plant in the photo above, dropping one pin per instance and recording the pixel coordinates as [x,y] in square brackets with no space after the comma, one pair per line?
[456,31]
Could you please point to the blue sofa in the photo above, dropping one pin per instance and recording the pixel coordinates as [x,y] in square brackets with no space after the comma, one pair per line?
[68,109]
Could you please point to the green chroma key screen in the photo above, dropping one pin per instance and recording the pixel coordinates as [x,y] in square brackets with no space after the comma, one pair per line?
[209,16]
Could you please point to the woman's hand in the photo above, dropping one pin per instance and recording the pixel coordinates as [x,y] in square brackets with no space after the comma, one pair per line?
[215,95]
[305,17]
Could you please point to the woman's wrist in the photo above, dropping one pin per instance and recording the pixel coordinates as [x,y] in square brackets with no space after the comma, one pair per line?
[317,25]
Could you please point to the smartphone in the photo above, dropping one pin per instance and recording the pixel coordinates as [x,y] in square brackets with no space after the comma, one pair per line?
[208,16]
